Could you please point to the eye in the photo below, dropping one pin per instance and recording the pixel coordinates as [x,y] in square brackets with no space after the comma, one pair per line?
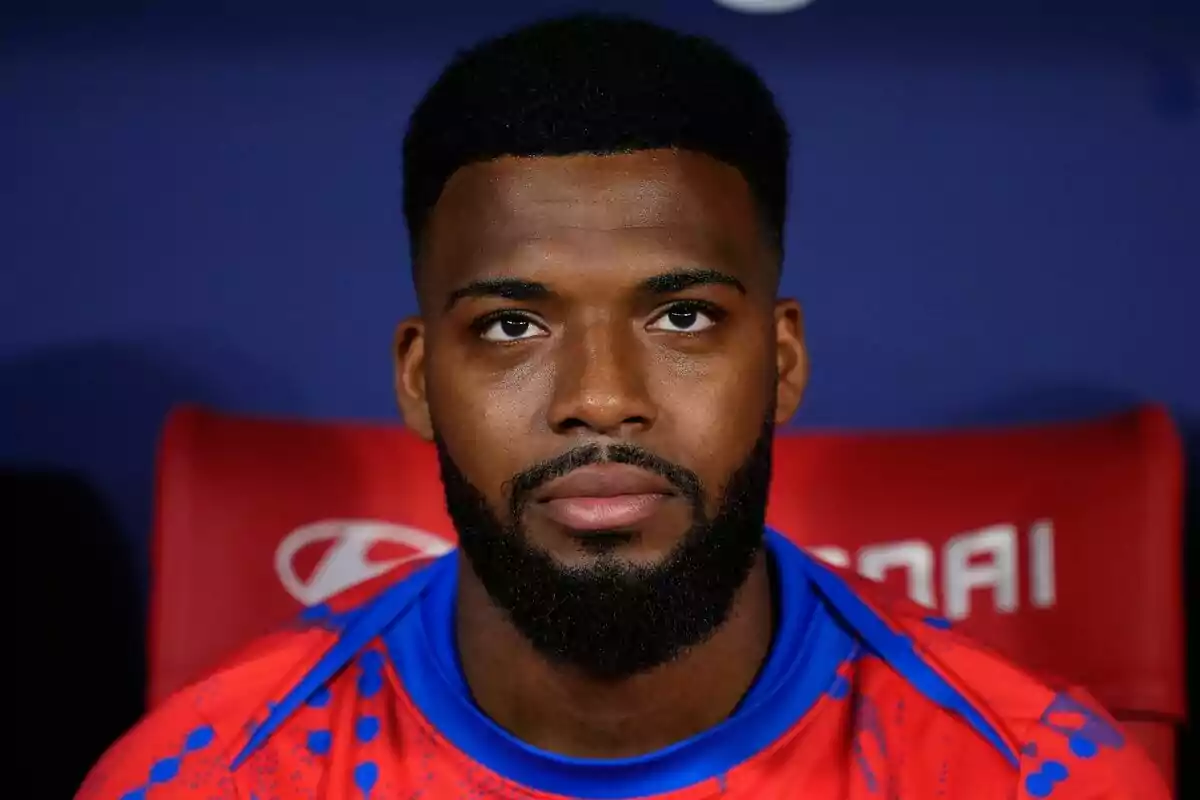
[687,317]
[508,327]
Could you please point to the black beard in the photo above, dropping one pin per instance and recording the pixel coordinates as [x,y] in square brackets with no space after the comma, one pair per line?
[612,619]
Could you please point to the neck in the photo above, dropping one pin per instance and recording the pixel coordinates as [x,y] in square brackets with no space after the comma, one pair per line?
[560,710]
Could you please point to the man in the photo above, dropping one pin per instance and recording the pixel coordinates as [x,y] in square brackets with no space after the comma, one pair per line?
[596,209]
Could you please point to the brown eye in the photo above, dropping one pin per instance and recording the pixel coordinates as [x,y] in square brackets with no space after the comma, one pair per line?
[510,327]
[685,318]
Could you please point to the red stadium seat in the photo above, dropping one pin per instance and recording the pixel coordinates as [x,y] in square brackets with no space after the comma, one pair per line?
[1059,545]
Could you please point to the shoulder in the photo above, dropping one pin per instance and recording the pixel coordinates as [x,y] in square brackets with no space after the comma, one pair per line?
[1067,746]
[183,748]
[1075,750]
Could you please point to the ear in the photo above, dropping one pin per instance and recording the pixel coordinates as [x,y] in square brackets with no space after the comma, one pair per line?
[791,359]
[409,356]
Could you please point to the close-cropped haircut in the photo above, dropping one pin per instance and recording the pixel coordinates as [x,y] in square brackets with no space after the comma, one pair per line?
[595,84]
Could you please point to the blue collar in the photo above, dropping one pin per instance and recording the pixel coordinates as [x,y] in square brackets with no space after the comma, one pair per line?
[822,624]
[808,648]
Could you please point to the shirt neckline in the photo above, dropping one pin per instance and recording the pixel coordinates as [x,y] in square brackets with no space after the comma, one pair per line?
[808,648]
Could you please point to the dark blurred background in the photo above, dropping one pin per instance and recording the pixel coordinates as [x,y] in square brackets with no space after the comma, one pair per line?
[996,219]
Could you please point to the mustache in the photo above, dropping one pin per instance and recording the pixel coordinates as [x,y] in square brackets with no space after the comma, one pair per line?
[525,483]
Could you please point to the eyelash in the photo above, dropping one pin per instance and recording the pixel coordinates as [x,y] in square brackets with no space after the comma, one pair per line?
[480,325]
[716,313]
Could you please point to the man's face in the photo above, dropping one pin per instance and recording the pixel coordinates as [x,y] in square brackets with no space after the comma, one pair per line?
[601,361]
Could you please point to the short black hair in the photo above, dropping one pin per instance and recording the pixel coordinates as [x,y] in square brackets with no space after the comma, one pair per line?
[599,84]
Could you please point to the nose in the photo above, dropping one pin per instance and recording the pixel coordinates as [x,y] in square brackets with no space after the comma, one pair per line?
[601,385]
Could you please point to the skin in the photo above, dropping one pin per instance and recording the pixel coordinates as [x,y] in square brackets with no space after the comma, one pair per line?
[510,375]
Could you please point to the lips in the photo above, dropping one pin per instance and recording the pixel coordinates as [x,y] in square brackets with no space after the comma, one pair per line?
[604,497]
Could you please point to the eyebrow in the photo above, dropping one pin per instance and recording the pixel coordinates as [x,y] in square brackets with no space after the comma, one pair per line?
[678,280]
[666,283]
[506,288]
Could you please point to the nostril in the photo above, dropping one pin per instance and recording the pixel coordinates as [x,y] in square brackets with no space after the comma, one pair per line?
[571,424]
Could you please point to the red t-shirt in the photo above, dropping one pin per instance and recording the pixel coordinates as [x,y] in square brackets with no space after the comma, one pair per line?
[858,700]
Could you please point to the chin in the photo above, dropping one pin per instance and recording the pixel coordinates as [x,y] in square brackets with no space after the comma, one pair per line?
[636,548]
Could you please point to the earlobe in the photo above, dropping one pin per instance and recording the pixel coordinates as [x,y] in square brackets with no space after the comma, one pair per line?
[791,359]
[409,362]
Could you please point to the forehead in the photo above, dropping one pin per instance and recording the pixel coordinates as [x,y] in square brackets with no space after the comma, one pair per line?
[627,212]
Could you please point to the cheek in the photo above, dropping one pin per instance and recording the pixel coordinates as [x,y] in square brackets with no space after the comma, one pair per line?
[715,412]
[486,417]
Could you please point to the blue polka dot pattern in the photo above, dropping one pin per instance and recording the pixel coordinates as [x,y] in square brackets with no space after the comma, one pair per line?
[366,728]
[319,742]
[1042,782]
[1086,732]
[1085,729]
[369,684]
[1038,785]
[167,769]
[1082,747]
[365,776]
[164,770]
[371,680]
[199,739]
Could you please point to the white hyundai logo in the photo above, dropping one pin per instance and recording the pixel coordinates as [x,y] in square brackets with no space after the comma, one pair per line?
[345,563]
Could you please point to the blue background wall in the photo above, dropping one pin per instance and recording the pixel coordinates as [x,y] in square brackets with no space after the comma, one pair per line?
[996,214]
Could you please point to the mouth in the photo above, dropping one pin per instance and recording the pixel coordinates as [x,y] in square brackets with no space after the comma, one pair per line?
[604,497]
